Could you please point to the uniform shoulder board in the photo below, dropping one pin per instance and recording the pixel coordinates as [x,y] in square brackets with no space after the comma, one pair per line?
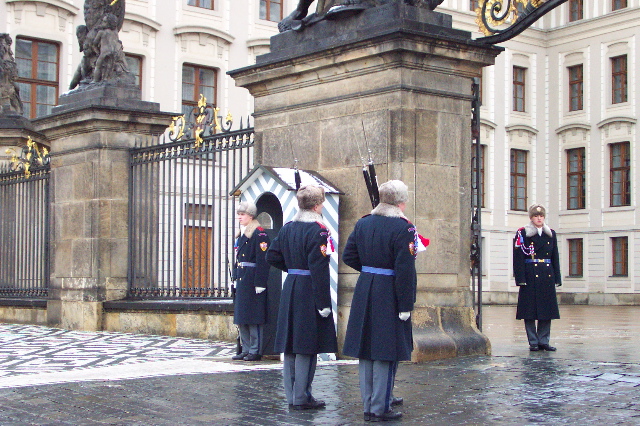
[407,220]
[321,225]
[521,229]
[260,228]
[368,214]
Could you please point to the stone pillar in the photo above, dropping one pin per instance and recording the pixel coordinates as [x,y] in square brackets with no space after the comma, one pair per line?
[90,135]
[404,75]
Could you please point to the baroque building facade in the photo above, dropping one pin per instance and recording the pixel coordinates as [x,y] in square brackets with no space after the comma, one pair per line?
[558,116]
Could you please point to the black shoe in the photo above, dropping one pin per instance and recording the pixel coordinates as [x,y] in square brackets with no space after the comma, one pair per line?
[240,356]
[253,357]
[367,417]
[397,400]
[313,404]
[388,416]
[534,348]
[547,348]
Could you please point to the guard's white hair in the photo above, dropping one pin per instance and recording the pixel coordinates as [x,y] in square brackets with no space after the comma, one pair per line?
[394,192]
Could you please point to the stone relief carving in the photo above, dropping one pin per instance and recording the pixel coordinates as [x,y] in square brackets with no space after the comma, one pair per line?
[10,103]
[103,60]
[339,9]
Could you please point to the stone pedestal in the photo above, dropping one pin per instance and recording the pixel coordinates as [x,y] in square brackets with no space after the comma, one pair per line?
[90,174]
[404,75]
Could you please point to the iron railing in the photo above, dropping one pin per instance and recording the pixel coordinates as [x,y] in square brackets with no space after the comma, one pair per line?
[181,218]
[24,232]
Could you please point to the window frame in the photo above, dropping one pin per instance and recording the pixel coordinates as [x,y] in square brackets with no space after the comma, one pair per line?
[618,4]
[581,174]
[576,87]
[192,103]
[34,81]
[482,171]
[199,2]
[621,245]
[473,5]
[623,80]
[576,10]
[625,170]
[514,175]
[519,85]
[267,8]
[576,257]
[141,59]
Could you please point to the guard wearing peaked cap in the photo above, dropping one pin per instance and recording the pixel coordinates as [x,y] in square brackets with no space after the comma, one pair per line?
[305,326]
[536,267]
[382,247]
[251,273]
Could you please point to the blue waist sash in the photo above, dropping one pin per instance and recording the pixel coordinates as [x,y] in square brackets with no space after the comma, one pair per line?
[537,261]
[378,271]
[247,264]
[299,272]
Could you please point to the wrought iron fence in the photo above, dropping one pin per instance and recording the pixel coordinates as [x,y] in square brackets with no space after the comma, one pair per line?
[24,232]
[181,218]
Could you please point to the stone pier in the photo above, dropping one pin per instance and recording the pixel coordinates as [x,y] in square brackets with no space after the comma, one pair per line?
[90,134]
[394,79]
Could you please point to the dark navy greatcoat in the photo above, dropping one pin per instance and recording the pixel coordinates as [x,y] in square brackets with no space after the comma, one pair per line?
[251,308]
[301,329]
[537,300]
[374,331]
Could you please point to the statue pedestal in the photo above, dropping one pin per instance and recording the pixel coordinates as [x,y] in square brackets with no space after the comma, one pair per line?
[404,75]
[89,234]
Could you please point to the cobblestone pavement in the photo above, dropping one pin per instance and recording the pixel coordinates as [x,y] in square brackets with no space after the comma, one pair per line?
[56,377]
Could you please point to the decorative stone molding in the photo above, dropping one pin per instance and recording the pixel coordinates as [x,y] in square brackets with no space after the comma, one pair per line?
[60,4]
[63,10]
[573,133]
[617,126]
[186,29]
[487,129]
[521,134]
[141,24]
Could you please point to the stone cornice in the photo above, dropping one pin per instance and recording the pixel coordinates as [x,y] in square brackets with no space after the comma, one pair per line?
[143,20]
[516,127]
[570,126]
[74,10]
[184,29]
[616,119]
[488,123]
[258,42]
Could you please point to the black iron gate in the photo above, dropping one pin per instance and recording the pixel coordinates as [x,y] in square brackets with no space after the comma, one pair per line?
[24,226]
[181,218]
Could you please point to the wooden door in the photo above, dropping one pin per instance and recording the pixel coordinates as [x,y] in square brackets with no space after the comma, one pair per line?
[196,259]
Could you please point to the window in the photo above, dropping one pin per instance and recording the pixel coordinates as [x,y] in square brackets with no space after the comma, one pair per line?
[618,4]
[518,88]
[575,10]
[37,75]
[575,257]
[205,4]
[575,179]
[473,177]
[134,62]
[575,88]
[197,81]
[619,79]
[518,180]
[620,254]
[473,5]
[271,10]
[620,174]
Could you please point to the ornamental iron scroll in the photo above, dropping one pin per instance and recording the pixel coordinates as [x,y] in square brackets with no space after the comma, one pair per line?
[202,121]
[30,157]
[501,20]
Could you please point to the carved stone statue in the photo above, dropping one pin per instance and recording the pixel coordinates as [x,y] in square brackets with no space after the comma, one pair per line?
[103,60]
[10,103]
[338,9]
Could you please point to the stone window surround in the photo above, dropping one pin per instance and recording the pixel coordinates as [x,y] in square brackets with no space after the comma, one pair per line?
[569,60]
[613,50]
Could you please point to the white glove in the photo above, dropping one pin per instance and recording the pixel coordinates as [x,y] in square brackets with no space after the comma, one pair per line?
[260,289]
[404,315]
[324,312]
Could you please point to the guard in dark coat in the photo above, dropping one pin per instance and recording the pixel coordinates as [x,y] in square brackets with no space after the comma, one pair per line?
[251,272]
[305,325]
[382,247]
[536,267]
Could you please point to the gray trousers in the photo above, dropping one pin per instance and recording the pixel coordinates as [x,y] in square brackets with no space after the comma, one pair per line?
[298,371]
[539,336]
[250,338]
[376,385]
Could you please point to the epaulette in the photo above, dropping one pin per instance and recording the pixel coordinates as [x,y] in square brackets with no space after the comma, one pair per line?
[321,225]
[260,228]
[368,214]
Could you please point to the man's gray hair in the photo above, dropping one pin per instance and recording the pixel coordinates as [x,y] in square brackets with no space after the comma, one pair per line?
[248,208]
[394,192]
[310,196]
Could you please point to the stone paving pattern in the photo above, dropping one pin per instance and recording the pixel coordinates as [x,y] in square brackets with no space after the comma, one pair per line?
[513,388]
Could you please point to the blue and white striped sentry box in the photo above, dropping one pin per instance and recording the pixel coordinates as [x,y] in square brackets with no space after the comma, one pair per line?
[281,183]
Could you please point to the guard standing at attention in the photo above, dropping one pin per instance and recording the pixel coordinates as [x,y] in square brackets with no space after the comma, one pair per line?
[251,272]
[383,247]
[305,325]
[536,267]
